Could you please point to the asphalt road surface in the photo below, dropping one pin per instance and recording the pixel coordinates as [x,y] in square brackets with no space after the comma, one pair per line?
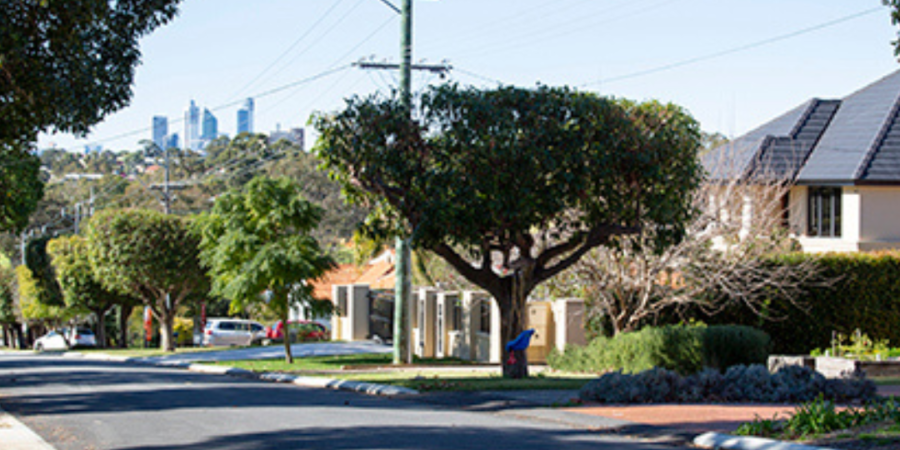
[80,404]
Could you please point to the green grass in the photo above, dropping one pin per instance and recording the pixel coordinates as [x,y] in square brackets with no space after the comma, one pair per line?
[376,368]
[886,381]
[472,381]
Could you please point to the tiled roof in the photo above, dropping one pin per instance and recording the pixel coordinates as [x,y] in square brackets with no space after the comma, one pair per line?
[847,141]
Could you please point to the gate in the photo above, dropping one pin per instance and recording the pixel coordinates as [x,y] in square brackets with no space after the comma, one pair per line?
[381,315]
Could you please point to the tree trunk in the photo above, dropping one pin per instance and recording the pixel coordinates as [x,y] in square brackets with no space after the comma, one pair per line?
[166,321]
[100,314]
[287,337]
[512,323]
[124,313]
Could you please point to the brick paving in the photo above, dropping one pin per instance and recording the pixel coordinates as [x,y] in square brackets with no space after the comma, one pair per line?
[723,418]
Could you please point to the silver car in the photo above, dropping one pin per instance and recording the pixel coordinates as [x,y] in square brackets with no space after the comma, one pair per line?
[224,331]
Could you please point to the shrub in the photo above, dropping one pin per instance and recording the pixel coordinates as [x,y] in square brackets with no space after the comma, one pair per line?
[729,345]
[679,348]
[739,384]
[854,291]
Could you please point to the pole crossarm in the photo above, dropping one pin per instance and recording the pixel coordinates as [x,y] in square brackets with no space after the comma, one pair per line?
[441,69]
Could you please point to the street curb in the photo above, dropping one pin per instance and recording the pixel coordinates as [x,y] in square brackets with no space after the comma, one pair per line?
[727,441]
[314,382]
[16,436]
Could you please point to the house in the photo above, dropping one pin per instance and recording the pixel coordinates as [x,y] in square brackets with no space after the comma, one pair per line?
[841,159]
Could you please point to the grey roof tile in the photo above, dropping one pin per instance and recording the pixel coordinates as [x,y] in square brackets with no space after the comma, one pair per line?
[852,133]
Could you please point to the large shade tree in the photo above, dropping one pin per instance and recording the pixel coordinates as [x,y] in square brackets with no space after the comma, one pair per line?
[64,65]
[149,255]
[258,239]
[513,186]
[80,288]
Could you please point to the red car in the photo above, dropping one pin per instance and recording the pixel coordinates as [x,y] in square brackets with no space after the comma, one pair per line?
[298,330]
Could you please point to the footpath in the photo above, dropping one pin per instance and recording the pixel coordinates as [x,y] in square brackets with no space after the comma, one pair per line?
[701,425]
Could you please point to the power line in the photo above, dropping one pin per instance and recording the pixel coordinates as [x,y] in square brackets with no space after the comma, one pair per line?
[733,50]
[288,50]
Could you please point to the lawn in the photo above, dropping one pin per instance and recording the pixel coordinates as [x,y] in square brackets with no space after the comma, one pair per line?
[423,374]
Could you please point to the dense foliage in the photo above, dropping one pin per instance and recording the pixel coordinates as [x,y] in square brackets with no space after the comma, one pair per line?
[66,64]
[80,288]
[148,255]
[258,239]
[521,181]
[738,384]
[683,349]
[855,291]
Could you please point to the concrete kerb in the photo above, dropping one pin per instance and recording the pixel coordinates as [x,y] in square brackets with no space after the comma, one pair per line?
[16,436]
[315,382]
[727,441]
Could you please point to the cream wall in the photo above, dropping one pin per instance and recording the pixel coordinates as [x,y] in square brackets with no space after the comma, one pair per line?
[870,220]
[880,212]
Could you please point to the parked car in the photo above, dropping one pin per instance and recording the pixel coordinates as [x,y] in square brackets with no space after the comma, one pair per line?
[298,331]
[65,339]
[224,331]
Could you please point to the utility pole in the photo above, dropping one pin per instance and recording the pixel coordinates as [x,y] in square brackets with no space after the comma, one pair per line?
[403,284]
[166,201]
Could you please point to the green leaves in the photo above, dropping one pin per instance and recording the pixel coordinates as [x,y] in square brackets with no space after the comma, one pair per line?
[492,166]
[257,239]
[144,252]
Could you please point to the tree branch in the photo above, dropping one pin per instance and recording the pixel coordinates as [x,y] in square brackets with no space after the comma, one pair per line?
[597,236]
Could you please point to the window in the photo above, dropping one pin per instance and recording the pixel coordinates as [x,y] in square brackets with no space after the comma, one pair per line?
[484,312]
[824,218]
[456,323]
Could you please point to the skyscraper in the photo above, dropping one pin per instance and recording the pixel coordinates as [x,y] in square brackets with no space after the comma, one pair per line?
[160,130]
[172,141]
[192,127]
[210,127]
[245,117]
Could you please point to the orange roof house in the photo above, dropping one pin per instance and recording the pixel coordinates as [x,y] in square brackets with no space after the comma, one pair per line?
[378,274]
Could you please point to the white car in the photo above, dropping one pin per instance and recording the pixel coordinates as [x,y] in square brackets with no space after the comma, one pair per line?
[66,339]
[224,331]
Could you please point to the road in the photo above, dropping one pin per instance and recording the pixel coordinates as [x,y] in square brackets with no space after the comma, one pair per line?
[80,404]
[276,351]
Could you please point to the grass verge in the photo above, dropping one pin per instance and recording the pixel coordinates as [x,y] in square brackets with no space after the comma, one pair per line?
[423,374]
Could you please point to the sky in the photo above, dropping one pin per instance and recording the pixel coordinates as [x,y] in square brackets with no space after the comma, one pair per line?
[732,64]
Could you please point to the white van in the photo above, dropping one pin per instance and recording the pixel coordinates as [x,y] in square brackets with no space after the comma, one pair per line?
[222,331]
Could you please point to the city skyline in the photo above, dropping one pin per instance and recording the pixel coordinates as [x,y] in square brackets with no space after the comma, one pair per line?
[732,65]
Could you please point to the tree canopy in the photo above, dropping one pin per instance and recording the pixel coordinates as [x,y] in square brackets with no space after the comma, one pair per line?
[258,239]
[66,64]
[80,289]
[149,255]
[512,186]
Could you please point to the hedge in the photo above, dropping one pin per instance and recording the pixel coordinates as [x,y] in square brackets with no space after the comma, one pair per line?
[854,291]
[683,349]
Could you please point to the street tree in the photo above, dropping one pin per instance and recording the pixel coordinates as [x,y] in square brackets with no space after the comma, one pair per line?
[32,301]
[64,65]
[9,319]
[149,255]
[513,186]
[37,260]
[258,239]
[80,289]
